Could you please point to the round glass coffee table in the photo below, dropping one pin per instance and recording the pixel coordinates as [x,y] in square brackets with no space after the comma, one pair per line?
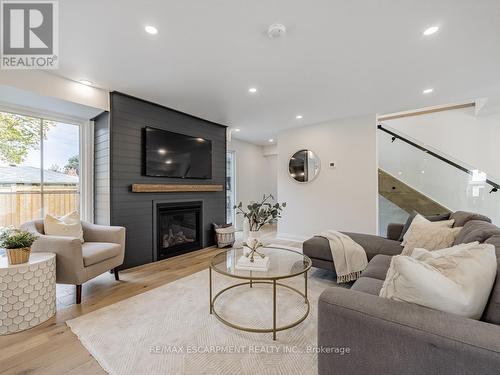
[283,264]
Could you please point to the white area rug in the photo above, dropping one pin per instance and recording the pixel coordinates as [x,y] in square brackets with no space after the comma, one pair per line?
[169,330]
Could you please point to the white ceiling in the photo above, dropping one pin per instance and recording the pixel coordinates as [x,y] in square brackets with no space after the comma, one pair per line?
[339,58]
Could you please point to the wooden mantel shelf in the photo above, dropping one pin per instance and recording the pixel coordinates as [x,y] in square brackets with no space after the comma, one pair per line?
[174,188]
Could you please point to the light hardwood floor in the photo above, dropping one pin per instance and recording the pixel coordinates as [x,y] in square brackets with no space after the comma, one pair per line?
[52,348]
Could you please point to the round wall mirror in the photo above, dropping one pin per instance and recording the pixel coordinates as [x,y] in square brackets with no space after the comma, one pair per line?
[303,166]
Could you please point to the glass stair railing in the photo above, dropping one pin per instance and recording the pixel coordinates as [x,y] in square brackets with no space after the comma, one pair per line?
[426,180]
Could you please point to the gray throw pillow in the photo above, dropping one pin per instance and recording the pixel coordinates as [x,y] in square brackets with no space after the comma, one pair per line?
[492,311]
[462,217]
[476,230]
[495,241]
[439,217]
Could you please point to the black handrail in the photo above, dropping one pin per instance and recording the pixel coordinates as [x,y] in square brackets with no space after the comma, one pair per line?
[395,136]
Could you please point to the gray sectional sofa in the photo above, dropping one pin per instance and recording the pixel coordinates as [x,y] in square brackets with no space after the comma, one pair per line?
[390,337]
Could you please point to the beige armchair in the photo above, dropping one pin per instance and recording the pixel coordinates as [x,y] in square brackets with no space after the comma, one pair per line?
[76,263]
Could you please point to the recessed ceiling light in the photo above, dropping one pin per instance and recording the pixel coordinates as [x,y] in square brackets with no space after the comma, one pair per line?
[237,129]
[427,91]
[85,82]
[151,30]
[298,117]
[271,140]
[431,30]
[162,151]
[252,90]
[276,30]
[168,161]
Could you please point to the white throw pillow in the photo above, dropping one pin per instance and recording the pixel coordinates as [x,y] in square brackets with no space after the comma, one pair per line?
[457,281]
[419,220]
[430,238]
[66,226]
[422,254]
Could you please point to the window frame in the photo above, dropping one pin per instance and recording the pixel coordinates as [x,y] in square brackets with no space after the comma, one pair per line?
[233,156]
[85,149]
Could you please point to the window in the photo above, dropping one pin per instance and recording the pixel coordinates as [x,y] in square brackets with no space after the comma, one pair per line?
[39,168]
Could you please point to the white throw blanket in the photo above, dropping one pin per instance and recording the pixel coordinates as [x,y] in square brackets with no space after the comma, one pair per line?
[349,257]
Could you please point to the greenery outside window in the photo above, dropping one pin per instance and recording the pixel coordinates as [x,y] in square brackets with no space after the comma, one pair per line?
[39,168]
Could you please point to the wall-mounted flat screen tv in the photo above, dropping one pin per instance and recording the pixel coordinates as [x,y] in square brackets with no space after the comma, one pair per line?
[169,154]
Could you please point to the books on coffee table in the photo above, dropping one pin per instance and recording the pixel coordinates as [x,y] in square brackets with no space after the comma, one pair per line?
[258,264]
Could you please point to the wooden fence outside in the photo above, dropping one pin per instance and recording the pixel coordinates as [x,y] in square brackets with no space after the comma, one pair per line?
[25,203]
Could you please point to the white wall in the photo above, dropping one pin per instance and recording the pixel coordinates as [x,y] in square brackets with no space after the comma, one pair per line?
[458,133]
[256,173]
[270,170]
[340,198]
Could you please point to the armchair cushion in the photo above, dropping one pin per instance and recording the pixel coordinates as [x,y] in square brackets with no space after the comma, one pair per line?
[66,226]
[103,233]
[96,252]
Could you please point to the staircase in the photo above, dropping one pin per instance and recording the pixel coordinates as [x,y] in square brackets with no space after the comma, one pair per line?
[405,197]
[414,177]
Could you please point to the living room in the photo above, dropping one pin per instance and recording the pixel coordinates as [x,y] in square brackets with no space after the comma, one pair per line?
[258,188]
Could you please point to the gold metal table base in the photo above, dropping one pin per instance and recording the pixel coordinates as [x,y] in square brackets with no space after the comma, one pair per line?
[274,283]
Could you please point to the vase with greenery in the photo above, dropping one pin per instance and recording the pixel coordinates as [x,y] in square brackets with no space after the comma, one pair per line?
[259,214]
[17,244]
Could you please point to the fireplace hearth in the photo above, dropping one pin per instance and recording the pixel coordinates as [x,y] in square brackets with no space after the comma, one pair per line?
[178,228]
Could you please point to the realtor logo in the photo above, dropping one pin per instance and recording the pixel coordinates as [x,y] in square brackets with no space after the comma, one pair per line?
[30,34]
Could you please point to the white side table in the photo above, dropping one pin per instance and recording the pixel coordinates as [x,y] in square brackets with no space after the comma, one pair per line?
[27,292]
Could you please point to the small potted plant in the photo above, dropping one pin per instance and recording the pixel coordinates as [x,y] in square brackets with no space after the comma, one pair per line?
[17,244]
[259,214]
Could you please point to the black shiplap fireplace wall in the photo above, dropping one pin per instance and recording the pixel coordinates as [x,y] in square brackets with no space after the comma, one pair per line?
[128,116]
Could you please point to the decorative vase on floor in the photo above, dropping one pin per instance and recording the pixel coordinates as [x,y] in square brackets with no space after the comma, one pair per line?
[18,256]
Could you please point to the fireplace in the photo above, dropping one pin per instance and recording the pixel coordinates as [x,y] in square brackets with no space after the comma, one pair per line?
[178,228]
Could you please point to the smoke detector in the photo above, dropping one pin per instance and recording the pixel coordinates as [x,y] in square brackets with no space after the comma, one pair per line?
[276,30]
